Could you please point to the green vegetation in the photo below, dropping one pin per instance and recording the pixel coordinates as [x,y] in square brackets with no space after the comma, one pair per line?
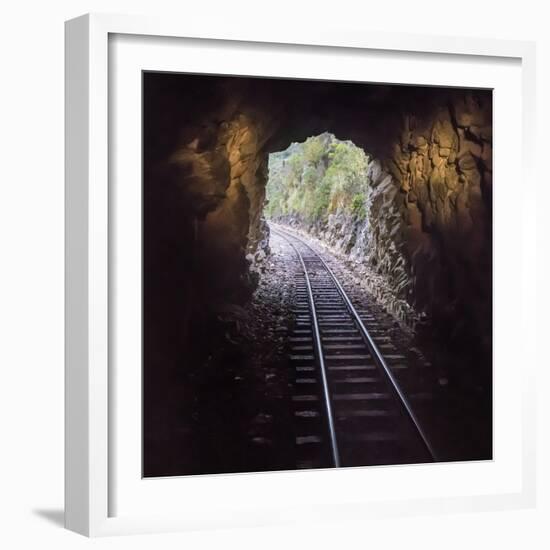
[316,178]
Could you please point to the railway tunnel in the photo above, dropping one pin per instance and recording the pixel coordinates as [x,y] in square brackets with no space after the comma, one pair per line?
[428,245]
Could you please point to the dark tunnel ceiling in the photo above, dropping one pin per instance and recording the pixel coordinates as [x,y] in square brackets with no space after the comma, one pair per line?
[369,115]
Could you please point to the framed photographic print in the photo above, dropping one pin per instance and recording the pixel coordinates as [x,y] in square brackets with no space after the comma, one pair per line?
[288,275]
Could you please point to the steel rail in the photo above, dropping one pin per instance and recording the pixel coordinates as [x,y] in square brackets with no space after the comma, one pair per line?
[373,348]
[320,359]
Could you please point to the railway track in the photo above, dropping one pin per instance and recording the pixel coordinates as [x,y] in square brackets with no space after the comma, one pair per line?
[349,409]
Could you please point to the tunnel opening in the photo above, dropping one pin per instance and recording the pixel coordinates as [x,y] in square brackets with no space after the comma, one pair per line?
[410,221]
[336,192]
[309,182]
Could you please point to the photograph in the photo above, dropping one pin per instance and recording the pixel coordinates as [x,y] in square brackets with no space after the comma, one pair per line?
[260,289]
[317,274]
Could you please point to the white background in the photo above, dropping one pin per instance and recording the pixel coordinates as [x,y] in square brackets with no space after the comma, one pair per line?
[31,285]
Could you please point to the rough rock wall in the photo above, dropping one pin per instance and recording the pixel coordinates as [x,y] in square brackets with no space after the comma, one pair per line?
[443,164]
[217,172]
[232,233]
[376,243]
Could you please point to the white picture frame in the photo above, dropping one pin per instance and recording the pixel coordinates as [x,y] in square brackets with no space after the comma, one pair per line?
[90,397]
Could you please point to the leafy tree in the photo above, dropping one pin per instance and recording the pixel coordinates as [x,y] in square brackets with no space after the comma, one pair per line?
[313,179]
